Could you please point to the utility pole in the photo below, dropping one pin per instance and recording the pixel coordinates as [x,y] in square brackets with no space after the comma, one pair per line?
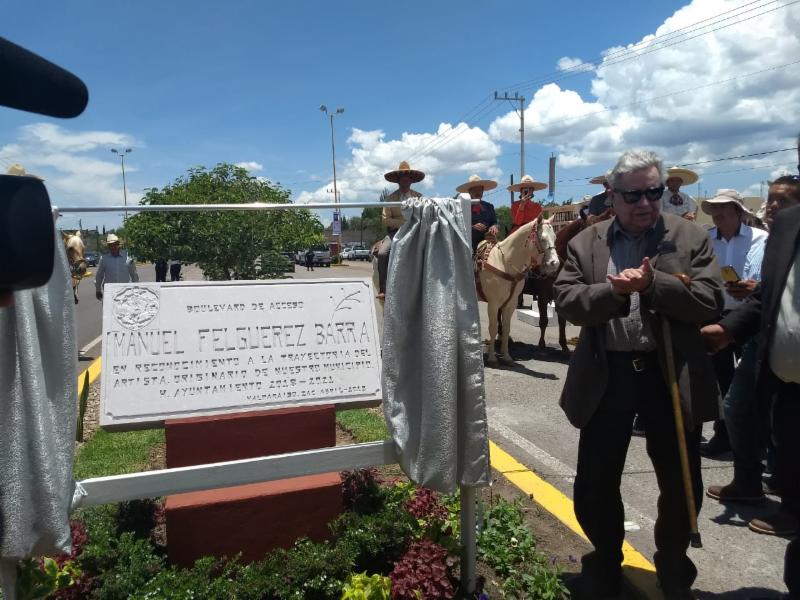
[121,153]
[521,112]
[339,111]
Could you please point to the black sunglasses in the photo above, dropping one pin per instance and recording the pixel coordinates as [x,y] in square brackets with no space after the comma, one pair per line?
[633,196]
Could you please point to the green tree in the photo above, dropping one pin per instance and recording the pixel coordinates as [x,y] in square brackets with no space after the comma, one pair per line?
[503,220]
[226,245]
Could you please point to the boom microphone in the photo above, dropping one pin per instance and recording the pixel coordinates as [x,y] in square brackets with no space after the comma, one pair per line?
[30,83]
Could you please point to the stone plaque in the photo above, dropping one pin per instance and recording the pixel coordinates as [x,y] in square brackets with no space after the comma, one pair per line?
[187,349]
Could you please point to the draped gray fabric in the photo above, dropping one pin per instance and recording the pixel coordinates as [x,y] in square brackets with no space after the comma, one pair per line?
[38,411]
[434,398]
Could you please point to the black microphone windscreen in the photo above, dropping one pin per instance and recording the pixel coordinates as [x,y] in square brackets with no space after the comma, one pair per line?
[30,83]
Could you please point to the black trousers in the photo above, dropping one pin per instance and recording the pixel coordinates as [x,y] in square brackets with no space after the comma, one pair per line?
[785,435]
[175,272]
[601,459]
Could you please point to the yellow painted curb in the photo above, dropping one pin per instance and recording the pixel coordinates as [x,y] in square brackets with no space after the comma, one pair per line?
[637,569]
[94,373]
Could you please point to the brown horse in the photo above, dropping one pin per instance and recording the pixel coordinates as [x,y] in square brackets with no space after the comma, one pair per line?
[540,285]
[74,246]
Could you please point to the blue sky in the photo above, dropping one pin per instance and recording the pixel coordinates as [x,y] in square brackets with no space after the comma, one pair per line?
[196,83]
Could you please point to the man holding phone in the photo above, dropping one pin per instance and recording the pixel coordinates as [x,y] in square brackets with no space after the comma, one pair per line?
[739,249]
[525,209]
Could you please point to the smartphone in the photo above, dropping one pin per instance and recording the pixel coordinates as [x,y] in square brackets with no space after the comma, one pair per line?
[729,274]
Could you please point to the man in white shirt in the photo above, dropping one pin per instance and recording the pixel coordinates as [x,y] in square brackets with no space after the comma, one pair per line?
[114,267]
[772,315]
[674,201]
[740,248]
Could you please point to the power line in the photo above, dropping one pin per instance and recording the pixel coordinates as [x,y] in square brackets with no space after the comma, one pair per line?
[714,160]
[627,54]
[676,93]
[582,67]
[634,51]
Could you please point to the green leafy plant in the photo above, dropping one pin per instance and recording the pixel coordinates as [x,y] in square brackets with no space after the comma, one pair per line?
[507,545]
[41,578]
[361,586]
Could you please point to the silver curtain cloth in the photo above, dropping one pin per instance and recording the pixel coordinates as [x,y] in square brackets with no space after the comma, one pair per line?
[38,411]
[434,398]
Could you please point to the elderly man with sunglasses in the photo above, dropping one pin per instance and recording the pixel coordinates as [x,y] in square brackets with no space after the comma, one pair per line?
[619,279]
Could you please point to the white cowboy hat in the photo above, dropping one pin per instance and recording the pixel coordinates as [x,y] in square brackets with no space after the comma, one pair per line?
[725,196]
[685,175]
[600,179]
[19,170]
[404,169]
[527,182]
[112,239]
[475,181]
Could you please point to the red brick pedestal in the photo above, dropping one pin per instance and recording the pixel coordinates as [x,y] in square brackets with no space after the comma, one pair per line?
[251,519]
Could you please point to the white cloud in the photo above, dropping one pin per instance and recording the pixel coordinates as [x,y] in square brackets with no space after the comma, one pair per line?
[565,63]
[468,150]
[251,166]
[633,103]
[70,163]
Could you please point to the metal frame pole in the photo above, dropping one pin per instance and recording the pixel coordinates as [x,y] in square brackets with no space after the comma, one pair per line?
[469,547]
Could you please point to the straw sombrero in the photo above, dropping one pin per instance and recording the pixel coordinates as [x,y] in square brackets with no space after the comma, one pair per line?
[600,179]
[18,170]
[685,175]
[527,182]
[404,169]
[475,181]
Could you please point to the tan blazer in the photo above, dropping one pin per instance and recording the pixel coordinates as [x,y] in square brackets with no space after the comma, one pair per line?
[393,215]
[584,297]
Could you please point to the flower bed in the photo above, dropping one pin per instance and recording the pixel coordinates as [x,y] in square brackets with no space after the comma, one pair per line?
[394,540]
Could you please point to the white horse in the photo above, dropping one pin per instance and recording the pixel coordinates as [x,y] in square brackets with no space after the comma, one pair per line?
[74,246]
[502,276]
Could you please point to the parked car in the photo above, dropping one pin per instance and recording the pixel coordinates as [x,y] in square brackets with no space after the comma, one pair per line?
[361,253]
[347,253]
[91,258]
[322,256]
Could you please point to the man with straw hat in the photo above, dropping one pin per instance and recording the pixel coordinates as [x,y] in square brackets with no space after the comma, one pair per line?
[525,210]
[484,219]
[674,201]
[600,203]
[393,219]
[114,267]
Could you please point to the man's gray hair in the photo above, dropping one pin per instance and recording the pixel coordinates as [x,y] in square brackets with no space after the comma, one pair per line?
[635,160]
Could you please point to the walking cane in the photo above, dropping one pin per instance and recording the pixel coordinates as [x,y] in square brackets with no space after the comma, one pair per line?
[694,534]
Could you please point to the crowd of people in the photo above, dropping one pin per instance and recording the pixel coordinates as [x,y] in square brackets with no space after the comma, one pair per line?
[729,297]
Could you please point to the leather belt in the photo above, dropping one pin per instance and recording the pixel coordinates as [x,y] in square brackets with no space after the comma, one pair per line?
[637,361]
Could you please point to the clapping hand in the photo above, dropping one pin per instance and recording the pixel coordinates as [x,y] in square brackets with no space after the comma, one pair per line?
[633,280]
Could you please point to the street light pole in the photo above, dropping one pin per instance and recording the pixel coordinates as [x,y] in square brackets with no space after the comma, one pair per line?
[339,111]
[121,153]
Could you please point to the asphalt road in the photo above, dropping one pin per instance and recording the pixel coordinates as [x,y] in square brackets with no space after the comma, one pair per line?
[526,421]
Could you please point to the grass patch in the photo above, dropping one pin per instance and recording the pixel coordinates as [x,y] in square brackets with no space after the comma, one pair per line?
[116,453]
[363,424]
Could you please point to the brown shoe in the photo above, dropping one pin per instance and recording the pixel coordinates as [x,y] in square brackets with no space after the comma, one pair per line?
[734,493]
[780,523]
